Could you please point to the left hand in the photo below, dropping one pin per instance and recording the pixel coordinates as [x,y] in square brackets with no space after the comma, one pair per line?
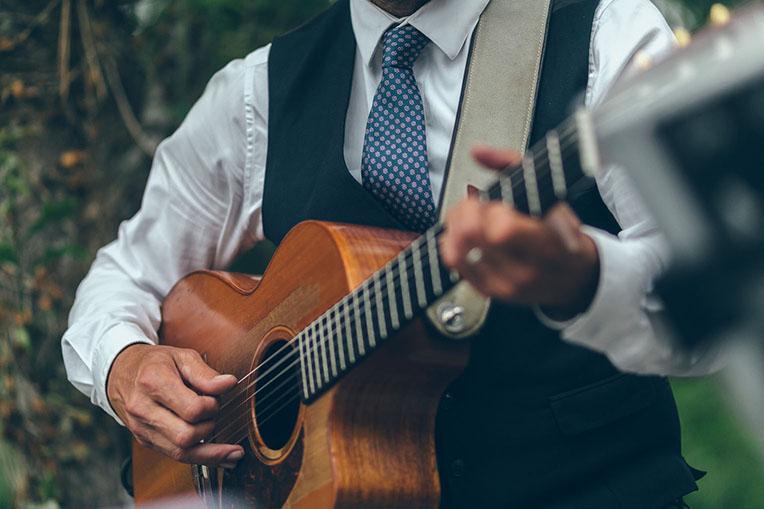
[549,262]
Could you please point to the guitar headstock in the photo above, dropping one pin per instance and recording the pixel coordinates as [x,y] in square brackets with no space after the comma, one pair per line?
[689,130]
[718,16]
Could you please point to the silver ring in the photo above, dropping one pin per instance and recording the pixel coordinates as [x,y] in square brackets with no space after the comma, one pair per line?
[474,256]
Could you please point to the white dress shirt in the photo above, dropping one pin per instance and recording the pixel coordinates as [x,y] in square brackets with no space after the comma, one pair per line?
[203,200]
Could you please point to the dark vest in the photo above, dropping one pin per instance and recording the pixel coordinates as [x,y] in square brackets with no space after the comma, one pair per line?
[534,421]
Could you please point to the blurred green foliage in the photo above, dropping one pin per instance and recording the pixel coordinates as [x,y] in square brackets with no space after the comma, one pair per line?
[715,441]
[87,90]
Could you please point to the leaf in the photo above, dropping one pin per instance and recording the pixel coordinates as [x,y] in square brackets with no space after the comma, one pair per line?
[54,254]
[72,158]
[8,254]
[6,44]
[53,213]
[21,338]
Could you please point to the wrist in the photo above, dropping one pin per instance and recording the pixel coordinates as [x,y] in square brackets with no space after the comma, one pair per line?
[586,274]
[124,362]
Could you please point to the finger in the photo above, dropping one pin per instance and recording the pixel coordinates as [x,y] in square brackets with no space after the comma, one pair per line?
[200,375]
[494,158]
[201,454]
[463,232]
[526,238]
[564,221]
[182,441]
[178,432]
[501,274]
[164,385]
[214,454]
[483,276]
[507,277]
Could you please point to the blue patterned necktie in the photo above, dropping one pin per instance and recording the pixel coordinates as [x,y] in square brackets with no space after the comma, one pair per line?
[394,164]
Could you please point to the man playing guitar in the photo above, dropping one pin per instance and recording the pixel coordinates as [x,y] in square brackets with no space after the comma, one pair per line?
[229,177]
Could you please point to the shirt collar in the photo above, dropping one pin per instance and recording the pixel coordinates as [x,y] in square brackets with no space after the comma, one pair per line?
[447,23]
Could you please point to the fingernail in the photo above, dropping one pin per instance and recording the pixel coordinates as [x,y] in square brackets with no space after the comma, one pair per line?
[235,456]
[228,466]
[223,378]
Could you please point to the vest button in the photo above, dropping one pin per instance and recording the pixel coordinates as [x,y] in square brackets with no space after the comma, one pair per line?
[457,468]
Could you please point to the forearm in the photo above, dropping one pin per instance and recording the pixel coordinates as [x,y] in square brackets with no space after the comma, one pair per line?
[110,312]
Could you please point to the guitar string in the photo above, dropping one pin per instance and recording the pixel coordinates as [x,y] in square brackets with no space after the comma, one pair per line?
[310,351]
[520,183]
[226,429]
[269,397]
[329,327]
[319,325]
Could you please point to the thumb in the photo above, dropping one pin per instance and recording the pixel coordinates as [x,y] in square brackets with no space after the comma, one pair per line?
[200,376]
[494,158]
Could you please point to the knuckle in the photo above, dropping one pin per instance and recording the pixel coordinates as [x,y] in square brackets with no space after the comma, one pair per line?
[147,380]
[507,291]
[177,454]
[135,407]
[525,280]
[141,437]
[185,438]
[496,234]
[193,410]
[191,355]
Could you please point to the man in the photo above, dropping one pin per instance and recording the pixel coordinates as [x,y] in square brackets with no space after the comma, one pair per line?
[286,134]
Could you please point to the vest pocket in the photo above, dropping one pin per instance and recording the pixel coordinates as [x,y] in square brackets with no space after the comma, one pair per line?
[602,402]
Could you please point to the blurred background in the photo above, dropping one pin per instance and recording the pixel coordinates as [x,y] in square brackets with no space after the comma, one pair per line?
[88,88]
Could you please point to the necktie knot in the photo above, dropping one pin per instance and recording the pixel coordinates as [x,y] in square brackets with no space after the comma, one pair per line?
[402,46]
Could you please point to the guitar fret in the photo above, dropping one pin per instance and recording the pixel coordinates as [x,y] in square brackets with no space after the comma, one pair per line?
[419,276]
[391,298]
[405,292]
[352,328]
[380,307]
[555,165]
[506,190]
[338,334]
[330,340]
[432,253]
[367,311]
[322,344]
[531,186]
[349,331]
[303,370]
[315,382]
[358,331]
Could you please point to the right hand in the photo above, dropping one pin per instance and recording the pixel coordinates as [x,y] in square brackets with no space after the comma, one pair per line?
[167,397]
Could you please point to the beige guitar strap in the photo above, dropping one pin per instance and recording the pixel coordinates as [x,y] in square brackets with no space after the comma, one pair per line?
[497,107]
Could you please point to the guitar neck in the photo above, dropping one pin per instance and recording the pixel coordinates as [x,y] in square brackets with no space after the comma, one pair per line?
[551,171]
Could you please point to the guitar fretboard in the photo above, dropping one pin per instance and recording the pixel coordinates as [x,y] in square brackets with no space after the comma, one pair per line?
[355,326]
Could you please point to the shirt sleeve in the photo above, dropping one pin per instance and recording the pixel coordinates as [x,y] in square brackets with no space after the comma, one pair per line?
[624,320]
[200,208]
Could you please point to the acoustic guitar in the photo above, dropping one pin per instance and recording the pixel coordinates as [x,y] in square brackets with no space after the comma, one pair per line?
[339,375]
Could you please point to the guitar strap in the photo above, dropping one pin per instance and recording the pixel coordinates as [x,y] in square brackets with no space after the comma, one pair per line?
[497,108]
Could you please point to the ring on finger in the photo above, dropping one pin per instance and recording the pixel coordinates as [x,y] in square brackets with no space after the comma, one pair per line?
[473,256]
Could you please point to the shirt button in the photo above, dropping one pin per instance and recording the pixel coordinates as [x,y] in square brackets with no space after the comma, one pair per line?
[457,468]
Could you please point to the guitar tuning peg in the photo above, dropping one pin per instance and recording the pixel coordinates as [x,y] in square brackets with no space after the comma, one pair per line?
[643,61]
[719,15]
[683,37]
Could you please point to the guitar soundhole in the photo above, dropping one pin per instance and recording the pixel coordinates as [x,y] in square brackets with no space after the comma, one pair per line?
[277,395]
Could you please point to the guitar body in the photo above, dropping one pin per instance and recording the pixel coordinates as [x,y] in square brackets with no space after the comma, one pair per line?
[368,441]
